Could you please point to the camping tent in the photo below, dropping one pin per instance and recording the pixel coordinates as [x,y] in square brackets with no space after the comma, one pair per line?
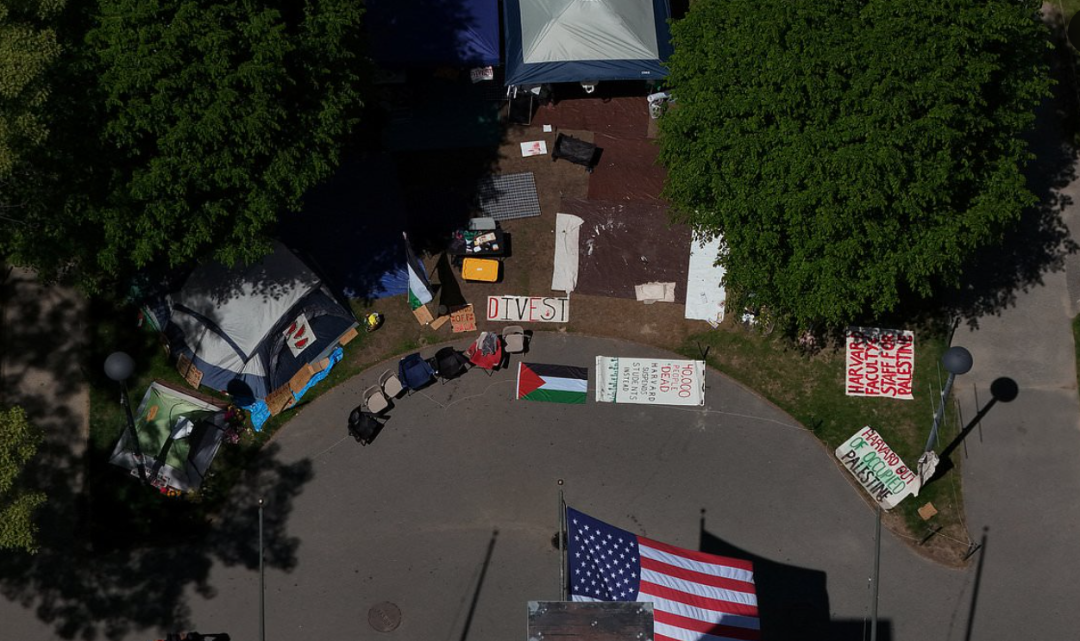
[262,324]
[178,437]
[427,33]
[585,40]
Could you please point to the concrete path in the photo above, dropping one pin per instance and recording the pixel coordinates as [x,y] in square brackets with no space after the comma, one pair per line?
[1021,461]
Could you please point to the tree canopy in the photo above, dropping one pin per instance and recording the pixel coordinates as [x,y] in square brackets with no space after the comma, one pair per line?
[28,48]
[202,120]
[19,442]
[851,153]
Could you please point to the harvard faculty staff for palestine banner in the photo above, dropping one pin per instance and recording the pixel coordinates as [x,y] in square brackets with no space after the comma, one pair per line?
[552,383]
[694,595]
[419,288]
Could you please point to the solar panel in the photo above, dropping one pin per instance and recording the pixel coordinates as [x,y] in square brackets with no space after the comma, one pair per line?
[509,196]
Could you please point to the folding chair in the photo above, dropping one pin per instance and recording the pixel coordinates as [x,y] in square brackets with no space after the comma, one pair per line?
[514,339]
[487,362]
[414,372]
[450,364]
[391,384]
[363,426]
[375,401]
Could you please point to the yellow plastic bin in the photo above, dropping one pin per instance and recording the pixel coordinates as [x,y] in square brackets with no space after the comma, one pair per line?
[480,269]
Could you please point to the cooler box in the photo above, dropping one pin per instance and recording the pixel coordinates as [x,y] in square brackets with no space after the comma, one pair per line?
[480,269]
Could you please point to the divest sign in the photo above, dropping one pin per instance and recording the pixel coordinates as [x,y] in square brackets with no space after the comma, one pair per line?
[528,309]
[880,362]
[649,381]
[878,469]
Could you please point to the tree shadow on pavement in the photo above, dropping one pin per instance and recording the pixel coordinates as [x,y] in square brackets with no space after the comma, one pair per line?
[1039,242]
[793,602]
[129,563]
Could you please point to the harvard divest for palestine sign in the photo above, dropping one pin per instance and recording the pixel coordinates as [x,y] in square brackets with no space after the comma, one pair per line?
[878,469]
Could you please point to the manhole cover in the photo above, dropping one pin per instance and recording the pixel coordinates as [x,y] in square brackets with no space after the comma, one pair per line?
[384,617]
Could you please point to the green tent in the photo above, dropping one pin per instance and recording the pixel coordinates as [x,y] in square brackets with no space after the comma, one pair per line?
[179,435]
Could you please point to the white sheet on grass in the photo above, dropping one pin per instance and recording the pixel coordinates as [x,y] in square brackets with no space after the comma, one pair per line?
[564,277]
[705,294]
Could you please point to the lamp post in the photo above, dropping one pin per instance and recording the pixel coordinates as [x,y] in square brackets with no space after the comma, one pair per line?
[956,360]
[119,367]
[262,579]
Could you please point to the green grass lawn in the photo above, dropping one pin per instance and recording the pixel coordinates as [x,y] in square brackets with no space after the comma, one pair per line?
[810,387]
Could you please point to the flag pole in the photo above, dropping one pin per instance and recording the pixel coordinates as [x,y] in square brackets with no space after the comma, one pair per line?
[562,545]
[877,577]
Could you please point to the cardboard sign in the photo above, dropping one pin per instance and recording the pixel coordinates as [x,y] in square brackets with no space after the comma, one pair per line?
[187,369]
[649,381]
[423,315]
[463,320]
[528,309]
[878,469]
[880,362]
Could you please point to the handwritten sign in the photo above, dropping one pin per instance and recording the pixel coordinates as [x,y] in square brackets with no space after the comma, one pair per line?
[463,320]
[528,309]
[880,362]
[878,469]
[649,381]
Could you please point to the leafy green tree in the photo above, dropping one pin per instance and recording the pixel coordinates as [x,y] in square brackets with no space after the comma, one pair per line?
[28,49]
[851,153]
[19,442]
[204,120]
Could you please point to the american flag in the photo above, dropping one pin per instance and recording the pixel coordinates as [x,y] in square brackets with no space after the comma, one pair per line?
[695,596]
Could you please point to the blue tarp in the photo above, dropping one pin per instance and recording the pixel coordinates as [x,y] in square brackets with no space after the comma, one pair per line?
[423,33]
[551,41]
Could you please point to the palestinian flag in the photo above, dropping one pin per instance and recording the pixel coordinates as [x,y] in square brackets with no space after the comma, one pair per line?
[552,383]
[419,288]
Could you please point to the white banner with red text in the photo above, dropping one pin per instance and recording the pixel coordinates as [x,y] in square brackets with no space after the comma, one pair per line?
[880,362]
[528,309]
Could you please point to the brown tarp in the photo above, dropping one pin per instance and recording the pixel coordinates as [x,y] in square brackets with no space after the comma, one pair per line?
[627,170]
[626,117]
[623,244]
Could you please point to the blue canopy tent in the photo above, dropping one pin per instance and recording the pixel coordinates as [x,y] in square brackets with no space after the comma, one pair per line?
[551,41]
[426,33]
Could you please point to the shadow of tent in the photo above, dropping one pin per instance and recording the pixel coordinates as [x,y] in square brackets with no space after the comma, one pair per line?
[793,602]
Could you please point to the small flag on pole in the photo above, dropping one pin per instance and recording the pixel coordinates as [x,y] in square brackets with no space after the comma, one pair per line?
[695,596]
[552,383]
[419,288]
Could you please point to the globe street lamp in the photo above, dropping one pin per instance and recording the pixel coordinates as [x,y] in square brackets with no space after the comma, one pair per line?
[119,367]
[956,360]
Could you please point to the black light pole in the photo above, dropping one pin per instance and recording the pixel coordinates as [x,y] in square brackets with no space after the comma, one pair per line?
[262,579]
[119,367]
[956,360]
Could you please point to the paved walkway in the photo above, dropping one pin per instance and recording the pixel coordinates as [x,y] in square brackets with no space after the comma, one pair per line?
[1022,465]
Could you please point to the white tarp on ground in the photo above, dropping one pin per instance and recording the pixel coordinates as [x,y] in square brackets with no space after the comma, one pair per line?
[564,277]
[649,381]
[705,293]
